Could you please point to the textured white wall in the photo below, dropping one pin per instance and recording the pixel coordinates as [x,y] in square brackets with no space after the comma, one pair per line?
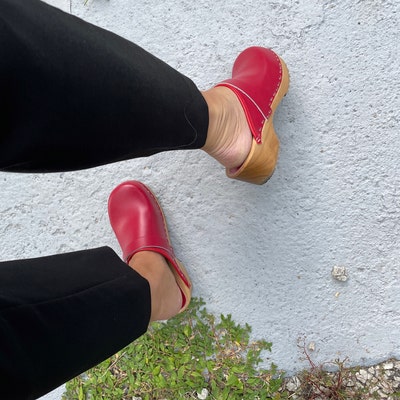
[263,254]
[64,5]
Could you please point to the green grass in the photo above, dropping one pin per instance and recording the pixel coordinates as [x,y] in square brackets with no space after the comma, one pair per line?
[191,355]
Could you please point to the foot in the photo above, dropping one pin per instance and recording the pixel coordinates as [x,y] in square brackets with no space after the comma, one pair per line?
[166,297]
[141,230]
[241,135]
[229,137]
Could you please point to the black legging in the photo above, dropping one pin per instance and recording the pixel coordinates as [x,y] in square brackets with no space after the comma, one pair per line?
[74,96]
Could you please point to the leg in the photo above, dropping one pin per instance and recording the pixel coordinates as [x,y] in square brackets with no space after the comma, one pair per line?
[76,96]
[61,315]
[83,307]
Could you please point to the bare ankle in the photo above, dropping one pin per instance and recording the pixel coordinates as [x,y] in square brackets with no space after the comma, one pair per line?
[166,297]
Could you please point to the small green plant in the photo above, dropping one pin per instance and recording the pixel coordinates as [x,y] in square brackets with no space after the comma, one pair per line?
[192,356]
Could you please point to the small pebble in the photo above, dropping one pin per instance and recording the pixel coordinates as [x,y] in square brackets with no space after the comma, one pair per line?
[203,394]
[339,273]
[388,365]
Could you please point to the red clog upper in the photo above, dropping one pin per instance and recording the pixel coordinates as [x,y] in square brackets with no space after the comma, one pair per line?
[256,78]
[139,224]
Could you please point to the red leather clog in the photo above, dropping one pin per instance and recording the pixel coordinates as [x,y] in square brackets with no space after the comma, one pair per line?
[260,79]
[139,224]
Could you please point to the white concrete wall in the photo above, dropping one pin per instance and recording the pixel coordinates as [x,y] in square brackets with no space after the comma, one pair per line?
[263,254]
[64,5]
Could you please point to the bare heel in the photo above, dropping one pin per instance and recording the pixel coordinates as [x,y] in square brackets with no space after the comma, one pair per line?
[261,161]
